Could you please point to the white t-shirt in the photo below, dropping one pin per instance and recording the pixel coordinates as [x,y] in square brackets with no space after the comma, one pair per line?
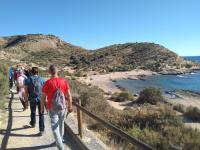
[20,82]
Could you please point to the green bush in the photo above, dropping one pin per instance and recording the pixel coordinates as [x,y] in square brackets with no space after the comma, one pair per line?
[188,65]
[193,113]
[122,96]
[150,95]
[148,135]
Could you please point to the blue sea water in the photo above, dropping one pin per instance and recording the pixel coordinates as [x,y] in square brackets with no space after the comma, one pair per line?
[193,58]
[166,82]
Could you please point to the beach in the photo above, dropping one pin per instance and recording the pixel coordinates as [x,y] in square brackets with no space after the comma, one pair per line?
[106,81]
[185,98]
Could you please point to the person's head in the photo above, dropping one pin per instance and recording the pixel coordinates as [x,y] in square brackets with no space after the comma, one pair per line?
[35,70]
[53,70]
[21,71]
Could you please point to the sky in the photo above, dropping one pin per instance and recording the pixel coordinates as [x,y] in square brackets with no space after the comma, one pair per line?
[93,24]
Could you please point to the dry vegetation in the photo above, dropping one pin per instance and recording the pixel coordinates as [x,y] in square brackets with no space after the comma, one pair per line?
[46,49]
[3,83]
[157,125]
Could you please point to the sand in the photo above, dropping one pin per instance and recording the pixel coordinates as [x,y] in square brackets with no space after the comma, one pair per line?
[105,81]
[186,99]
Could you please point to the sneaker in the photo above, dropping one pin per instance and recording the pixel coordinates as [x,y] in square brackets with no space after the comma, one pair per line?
[41,133]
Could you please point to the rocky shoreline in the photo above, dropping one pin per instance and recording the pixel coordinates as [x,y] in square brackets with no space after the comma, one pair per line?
[179,71]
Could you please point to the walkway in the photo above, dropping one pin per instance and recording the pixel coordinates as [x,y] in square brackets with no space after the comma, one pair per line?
[16,134]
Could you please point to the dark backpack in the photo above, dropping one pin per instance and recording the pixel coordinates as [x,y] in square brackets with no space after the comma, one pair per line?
[35,89]
[58,101]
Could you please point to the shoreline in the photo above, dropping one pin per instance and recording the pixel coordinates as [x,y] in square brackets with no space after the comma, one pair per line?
[106,81]
[179,71]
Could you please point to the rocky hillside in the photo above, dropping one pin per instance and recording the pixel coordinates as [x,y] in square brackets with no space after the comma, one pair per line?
[46,49]
[38,48]
[129,56]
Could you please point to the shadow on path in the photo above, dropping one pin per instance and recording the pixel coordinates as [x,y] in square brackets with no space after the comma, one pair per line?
[9,125]
[34,148]
[24,127]
[8,133]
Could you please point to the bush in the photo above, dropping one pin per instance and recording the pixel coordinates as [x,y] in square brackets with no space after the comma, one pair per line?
[188,65]
[3,82]
[193,113]
[123,96]
[148,135]
[150,95]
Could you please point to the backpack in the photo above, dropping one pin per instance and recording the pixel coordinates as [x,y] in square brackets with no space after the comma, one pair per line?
[58,101]
[35,89]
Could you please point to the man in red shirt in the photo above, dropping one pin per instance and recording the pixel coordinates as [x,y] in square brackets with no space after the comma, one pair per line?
[57,117]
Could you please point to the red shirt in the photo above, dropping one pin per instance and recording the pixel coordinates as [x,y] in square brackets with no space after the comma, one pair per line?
[50,86]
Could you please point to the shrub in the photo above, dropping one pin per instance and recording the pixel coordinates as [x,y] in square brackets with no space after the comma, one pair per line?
[123,96]
[3,83]
[148,135]
[188,65]
[193,113]
[150,95]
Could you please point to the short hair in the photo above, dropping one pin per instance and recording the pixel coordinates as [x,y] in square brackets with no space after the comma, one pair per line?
[35,70]
[21,71]
[53,69]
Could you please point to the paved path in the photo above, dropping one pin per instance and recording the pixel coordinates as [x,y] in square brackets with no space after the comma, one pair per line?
[16,134]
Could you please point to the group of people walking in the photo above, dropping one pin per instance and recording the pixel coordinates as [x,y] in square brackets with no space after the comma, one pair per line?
[53,94]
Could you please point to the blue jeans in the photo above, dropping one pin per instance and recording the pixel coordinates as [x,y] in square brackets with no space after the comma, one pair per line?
[33,106]
[57,125]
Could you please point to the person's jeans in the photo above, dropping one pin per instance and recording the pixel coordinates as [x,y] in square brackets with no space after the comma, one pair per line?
[57,125]
[33,106]
[11,82]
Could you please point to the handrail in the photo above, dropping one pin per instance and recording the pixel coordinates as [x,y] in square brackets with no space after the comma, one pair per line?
[113,128]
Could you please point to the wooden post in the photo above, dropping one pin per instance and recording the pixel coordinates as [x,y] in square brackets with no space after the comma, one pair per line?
[79,118]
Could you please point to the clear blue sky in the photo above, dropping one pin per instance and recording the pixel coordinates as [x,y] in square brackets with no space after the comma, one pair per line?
[97,23]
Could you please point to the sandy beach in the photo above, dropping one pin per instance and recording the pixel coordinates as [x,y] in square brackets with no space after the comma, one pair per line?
[105,81]
[186,99]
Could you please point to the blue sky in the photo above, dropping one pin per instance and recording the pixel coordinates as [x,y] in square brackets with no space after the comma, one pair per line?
[97,23]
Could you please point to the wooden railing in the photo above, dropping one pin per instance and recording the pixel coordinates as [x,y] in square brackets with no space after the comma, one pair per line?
[111,127]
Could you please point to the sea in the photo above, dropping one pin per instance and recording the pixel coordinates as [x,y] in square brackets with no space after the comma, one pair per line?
[190,81]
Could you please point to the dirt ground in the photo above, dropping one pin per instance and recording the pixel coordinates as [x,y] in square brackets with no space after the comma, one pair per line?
[16,134]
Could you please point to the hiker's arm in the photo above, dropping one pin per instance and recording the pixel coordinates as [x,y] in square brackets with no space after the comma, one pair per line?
[68,97]
[42,102]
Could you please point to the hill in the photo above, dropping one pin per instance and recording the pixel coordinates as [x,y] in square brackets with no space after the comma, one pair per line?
[38,48]
[46,49]
[129,56]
